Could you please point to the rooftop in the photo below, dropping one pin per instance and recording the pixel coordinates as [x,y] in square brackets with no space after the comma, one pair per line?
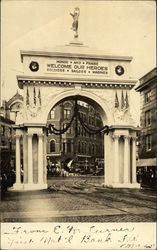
[146,79]
[16,97]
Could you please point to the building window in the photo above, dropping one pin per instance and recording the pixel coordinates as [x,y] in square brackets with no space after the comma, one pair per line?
[68,146]
[89,119]
[85,134]
[67,113]
[79,130]
[3,130]
[81,115]
[148,142]
[52,146]
[63,147]
[97,150]
[93,149]
[82,132]
[79,147]
[10,131]
[85,150]
[147,118]
[148,96]
[84,117]
[89,149]
[92,120]
[82,147]
[52,114]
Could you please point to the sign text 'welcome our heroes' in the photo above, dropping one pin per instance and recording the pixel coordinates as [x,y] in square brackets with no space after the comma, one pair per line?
[78,66]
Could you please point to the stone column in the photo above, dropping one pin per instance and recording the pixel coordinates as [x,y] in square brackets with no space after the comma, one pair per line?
[116,159]
[30,159]
[18,163]
[45,159]
[134,159]
[25,158]
[108,162]
[126,159]
[40,158]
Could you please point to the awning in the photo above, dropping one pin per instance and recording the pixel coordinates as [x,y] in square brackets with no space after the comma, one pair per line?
[146,162]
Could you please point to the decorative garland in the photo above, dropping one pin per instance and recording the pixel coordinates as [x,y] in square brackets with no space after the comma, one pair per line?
[55,131]
[89,130]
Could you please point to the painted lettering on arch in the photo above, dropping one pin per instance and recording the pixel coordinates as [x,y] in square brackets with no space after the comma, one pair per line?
[78,66]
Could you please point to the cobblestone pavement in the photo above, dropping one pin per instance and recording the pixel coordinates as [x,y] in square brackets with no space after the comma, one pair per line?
[68,200]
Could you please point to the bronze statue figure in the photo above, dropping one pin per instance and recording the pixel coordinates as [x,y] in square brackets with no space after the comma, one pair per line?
[75,21]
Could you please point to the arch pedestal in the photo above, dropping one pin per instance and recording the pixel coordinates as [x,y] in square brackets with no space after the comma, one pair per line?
[120,158]
[34,167]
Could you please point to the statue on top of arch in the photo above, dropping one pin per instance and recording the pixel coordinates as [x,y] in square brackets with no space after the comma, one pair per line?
[75,21]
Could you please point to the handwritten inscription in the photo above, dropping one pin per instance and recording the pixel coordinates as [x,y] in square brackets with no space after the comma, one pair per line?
[72,236]
[78,66]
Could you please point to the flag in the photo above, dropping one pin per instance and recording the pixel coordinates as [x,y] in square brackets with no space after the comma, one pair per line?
[122,101]
[34,96]
[27,97]
[126,101]
[116,101]
[39,96]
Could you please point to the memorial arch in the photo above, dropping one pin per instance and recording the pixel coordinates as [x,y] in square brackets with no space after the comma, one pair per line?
[71,71]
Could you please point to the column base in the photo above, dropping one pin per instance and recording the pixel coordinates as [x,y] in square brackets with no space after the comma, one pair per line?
[16,186]
[35,186]
[122,185]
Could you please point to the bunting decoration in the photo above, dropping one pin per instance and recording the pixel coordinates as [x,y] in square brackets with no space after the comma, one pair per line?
[116,101]
[34,96]
[126,101]
[39,97]
[27,97]
[76,116]
[122,101]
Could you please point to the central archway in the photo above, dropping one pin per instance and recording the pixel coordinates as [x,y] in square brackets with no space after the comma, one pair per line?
[85,148]
[83,95]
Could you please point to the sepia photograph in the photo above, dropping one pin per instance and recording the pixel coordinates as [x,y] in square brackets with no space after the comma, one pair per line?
[78,124]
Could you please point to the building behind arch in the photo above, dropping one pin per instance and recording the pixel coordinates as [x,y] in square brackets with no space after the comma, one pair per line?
[84,150]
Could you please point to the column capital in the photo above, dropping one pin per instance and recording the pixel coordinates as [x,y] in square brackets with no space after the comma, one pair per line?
[127,137]
[18,136]
[116,137]
[133,138]
[29,134]
[40,135]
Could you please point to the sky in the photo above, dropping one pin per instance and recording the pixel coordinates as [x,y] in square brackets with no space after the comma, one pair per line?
[115,27]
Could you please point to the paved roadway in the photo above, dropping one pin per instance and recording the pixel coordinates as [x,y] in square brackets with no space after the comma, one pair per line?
[68,200]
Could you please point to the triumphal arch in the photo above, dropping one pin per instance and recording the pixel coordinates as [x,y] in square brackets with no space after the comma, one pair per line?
[79,72]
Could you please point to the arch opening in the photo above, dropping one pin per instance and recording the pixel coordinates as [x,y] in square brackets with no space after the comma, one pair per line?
[84,150]
[85,96]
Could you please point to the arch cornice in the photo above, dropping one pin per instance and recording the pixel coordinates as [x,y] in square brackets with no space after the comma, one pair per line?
[83,93]
[85,82]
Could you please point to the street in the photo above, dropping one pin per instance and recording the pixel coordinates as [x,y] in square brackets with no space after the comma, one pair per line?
[75,200]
